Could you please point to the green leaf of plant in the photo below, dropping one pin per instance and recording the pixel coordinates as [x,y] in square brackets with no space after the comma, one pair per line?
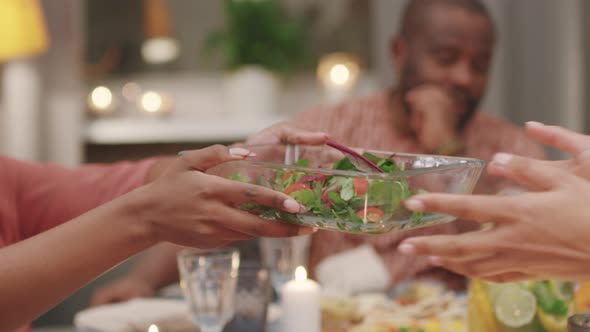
[305,197]
[302,163]
[345,165]
[346,189]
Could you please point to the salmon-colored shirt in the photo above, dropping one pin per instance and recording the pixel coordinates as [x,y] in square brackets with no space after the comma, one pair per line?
[37,197]
[369,123]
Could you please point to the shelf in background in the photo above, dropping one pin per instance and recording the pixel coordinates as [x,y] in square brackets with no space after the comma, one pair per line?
[198,115]
[144,131]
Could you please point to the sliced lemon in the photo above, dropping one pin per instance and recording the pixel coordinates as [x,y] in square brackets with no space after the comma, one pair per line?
[515,306]
[432,325]
[480,311]
[553,323]
[457,326]
[494,289]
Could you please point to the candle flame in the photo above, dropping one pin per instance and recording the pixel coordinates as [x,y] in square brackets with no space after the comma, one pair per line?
[153,328]
[300,274]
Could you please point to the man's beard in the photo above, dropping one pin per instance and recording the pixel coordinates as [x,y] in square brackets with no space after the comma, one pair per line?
[409,80]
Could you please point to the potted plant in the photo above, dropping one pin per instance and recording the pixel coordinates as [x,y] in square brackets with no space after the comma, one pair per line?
[258,45]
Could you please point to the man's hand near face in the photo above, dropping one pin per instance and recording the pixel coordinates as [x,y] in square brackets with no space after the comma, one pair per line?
[433,117]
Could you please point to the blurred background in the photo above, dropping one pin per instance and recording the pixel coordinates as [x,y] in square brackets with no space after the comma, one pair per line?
[104,80]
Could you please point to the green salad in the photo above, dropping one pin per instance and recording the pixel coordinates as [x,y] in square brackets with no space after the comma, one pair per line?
[346,203]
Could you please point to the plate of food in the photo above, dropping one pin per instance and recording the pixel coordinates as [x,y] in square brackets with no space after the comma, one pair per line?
[424,307]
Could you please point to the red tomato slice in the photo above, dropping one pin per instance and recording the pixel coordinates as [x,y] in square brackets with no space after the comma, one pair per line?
[360,185]
[372,214]
[295,187]
[287,175]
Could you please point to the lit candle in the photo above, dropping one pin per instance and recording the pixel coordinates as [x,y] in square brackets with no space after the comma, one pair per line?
[300,301]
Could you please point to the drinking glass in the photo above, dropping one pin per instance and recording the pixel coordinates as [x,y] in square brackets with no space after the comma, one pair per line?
[282,256]
[252,298]
[208,280]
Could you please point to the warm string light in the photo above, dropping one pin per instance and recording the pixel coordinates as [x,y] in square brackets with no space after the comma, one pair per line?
[131,91]
[100,100]
[338,71]
[155,102]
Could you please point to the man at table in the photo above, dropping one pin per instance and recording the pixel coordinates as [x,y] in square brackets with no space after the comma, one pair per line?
[442,54]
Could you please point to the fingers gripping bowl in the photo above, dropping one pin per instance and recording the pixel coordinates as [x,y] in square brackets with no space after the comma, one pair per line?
[337,196]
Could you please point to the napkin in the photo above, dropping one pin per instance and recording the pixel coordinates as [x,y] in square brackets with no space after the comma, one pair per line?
[136,315]
[355,271]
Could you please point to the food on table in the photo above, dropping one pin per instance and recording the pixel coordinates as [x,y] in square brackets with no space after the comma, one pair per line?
[349,202]
[340,312]
[433,311]
[583,297]
[524,306]
[337,195]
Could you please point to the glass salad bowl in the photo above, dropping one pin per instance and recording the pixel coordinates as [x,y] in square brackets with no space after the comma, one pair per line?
[338,196]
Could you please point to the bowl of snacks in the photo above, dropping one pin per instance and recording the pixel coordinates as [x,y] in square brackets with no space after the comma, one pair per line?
[344,193]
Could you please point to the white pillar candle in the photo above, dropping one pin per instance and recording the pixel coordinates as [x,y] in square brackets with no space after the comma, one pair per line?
[300,301]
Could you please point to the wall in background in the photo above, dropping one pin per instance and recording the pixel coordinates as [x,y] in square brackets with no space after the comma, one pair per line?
[63,105]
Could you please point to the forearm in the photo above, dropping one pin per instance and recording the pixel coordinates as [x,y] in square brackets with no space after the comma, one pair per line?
[41,271]
[157,267]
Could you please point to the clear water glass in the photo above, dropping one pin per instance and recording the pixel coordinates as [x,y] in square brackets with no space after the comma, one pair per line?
[253,295]
[208,280]
[282,256]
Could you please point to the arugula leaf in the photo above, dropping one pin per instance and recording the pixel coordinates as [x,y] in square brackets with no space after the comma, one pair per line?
[382,192]
[305,197]
[346,189]
[353,216]
[239,177]
[388,165]
[373,158]
[338,202]
[345,165]
[302,163]
[357,202]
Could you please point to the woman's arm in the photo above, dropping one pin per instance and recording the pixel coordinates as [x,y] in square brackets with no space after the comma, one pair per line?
[39,272]
[154,270]
[183,206]
[157,268]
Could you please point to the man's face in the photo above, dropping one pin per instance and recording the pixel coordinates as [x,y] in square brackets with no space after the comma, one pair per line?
[452,50]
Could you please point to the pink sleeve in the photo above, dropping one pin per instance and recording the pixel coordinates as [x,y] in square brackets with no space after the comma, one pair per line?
[48,195]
